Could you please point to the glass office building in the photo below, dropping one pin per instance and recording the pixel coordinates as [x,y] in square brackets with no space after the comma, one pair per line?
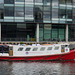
[37,20]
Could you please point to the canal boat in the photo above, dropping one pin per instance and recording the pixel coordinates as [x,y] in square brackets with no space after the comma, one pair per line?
[37,52]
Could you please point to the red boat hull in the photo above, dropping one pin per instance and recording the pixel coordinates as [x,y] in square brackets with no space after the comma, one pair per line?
[64,56]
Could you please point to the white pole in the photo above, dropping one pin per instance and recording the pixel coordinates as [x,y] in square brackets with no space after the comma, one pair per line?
[67,33]
[0,32]
[37,33]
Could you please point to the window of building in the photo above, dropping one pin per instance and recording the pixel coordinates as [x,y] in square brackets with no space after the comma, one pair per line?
[61,34]
[19,11]
[69,14]
[55,3]
[1,9]
[38,1]
[62,13]
[18,31]
[47,2]
[38,13]
[27,49]
[54,34]
[56,48]
[62,1]
[9,11]
[47,8]
[42,48]
[41,32]
[1,4]
[46,16]
[69,2]
[19,0]
[47,32]
[8,1]
[20,49]
[72,32]
[1,14]
[35,49]
[28,12]
[29,1]
[73,15]
[49,48]
[54,13]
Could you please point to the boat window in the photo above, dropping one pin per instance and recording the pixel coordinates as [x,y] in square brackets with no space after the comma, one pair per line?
[35,49]
[66,45]
[56,48]
[62,46]
[20,49]
[0,49]
[42,49]
[49,48]
[27,49]
[5,49]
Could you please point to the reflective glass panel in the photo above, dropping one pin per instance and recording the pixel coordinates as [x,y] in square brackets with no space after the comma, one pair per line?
[73,15]
[29,1]
[55,3]
[8,1]
[62,1]
[46,16]
[69,14]
[9,11]
[1,4]
[46,8]
[38,13]
[47,2]
[1,9]
[54,13]
[62,13]
[1,14]
[19,0]
[19,11]
[38,1]
[47,32]
[41,32]
[28,12]
[69,2]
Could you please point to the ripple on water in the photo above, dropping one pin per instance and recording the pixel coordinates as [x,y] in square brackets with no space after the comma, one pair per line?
[37,68]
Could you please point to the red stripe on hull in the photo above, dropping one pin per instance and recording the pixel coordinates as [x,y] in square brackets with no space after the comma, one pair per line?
[65,56]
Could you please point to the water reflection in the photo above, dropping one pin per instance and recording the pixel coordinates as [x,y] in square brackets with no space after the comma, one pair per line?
[37,68]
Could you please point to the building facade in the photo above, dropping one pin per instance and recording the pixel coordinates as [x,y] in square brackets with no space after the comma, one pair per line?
[37,20]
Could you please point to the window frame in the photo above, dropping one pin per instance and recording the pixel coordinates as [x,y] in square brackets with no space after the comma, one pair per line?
[28,48]
[49,49]
[41,49]
[20,49]
[35,48]
[56,48]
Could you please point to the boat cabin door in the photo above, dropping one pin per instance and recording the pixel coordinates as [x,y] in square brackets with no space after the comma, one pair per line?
[62,48]
[10,50]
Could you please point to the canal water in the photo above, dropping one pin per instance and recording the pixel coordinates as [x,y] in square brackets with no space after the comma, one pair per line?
[37,68]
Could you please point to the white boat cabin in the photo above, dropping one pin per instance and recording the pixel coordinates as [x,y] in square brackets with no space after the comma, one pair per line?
[35,50]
